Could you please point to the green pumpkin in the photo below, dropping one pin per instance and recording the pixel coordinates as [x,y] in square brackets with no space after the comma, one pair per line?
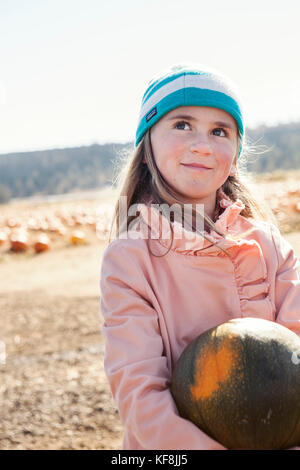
[240,383]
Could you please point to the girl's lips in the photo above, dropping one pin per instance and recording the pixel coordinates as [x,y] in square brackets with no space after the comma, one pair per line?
[196,166]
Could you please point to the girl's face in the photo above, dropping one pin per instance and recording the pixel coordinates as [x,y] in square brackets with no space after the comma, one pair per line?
[194,148]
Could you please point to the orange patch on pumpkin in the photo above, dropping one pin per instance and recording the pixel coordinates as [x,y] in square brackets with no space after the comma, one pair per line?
[213,368]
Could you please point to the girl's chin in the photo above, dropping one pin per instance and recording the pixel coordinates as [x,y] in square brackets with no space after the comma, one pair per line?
[195,198]
[193,195]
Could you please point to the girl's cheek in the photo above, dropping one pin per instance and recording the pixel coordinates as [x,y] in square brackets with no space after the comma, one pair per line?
[227,151]
[234,147]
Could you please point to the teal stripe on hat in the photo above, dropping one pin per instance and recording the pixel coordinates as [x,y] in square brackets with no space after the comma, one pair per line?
[191,97]
[159,83]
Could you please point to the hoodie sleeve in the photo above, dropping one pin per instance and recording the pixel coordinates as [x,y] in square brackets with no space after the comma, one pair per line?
[287,284]
[134,362]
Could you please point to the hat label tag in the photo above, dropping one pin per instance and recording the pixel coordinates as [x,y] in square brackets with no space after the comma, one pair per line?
[151,113]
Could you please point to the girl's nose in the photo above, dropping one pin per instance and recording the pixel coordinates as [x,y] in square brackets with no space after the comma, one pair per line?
[201,145]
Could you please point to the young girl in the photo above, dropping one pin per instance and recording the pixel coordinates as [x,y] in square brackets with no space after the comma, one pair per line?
[167,277]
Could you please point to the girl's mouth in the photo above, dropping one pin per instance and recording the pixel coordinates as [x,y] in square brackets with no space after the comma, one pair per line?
[196,166]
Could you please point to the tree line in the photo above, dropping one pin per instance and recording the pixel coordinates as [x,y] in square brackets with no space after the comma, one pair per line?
[58,171]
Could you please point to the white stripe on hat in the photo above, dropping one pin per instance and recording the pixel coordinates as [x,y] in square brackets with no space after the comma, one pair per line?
[202,81]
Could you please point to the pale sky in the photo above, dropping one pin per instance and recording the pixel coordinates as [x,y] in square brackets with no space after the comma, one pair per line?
[73,72]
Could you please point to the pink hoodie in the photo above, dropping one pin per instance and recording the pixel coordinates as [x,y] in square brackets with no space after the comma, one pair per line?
[153,307]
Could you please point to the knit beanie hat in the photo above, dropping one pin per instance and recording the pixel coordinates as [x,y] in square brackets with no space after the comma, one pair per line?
[188,85]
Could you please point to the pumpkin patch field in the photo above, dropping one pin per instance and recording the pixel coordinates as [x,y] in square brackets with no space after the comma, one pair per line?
[53,390]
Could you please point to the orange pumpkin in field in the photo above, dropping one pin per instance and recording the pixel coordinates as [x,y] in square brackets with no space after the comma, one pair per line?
[3,237]
[12,222]
[77,237]
[42,244]
[19,241]
[296,206]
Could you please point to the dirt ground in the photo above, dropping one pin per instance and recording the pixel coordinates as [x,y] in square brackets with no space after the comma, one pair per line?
[53,390]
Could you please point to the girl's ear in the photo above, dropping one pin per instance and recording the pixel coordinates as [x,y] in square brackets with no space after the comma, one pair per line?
[144,160]
[232,171]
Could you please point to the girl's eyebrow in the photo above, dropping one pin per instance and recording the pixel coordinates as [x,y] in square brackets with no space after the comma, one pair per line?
[182,116]
[227,125]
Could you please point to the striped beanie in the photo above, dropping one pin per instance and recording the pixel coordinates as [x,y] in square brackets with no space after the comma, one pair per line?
[188,85]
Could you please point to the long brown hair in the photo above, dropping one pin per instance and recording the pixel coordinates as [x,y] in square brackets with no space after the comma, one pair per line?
[139,179]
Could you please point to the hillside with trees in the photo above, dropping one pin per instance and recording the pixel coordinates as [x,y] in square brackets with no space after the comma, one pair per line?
[281,145]
[66,170]
[58,171]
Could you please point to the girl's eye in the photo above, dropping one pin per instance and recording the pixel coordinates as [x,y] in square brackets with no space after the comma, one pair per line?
[181,124]
[219,129]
